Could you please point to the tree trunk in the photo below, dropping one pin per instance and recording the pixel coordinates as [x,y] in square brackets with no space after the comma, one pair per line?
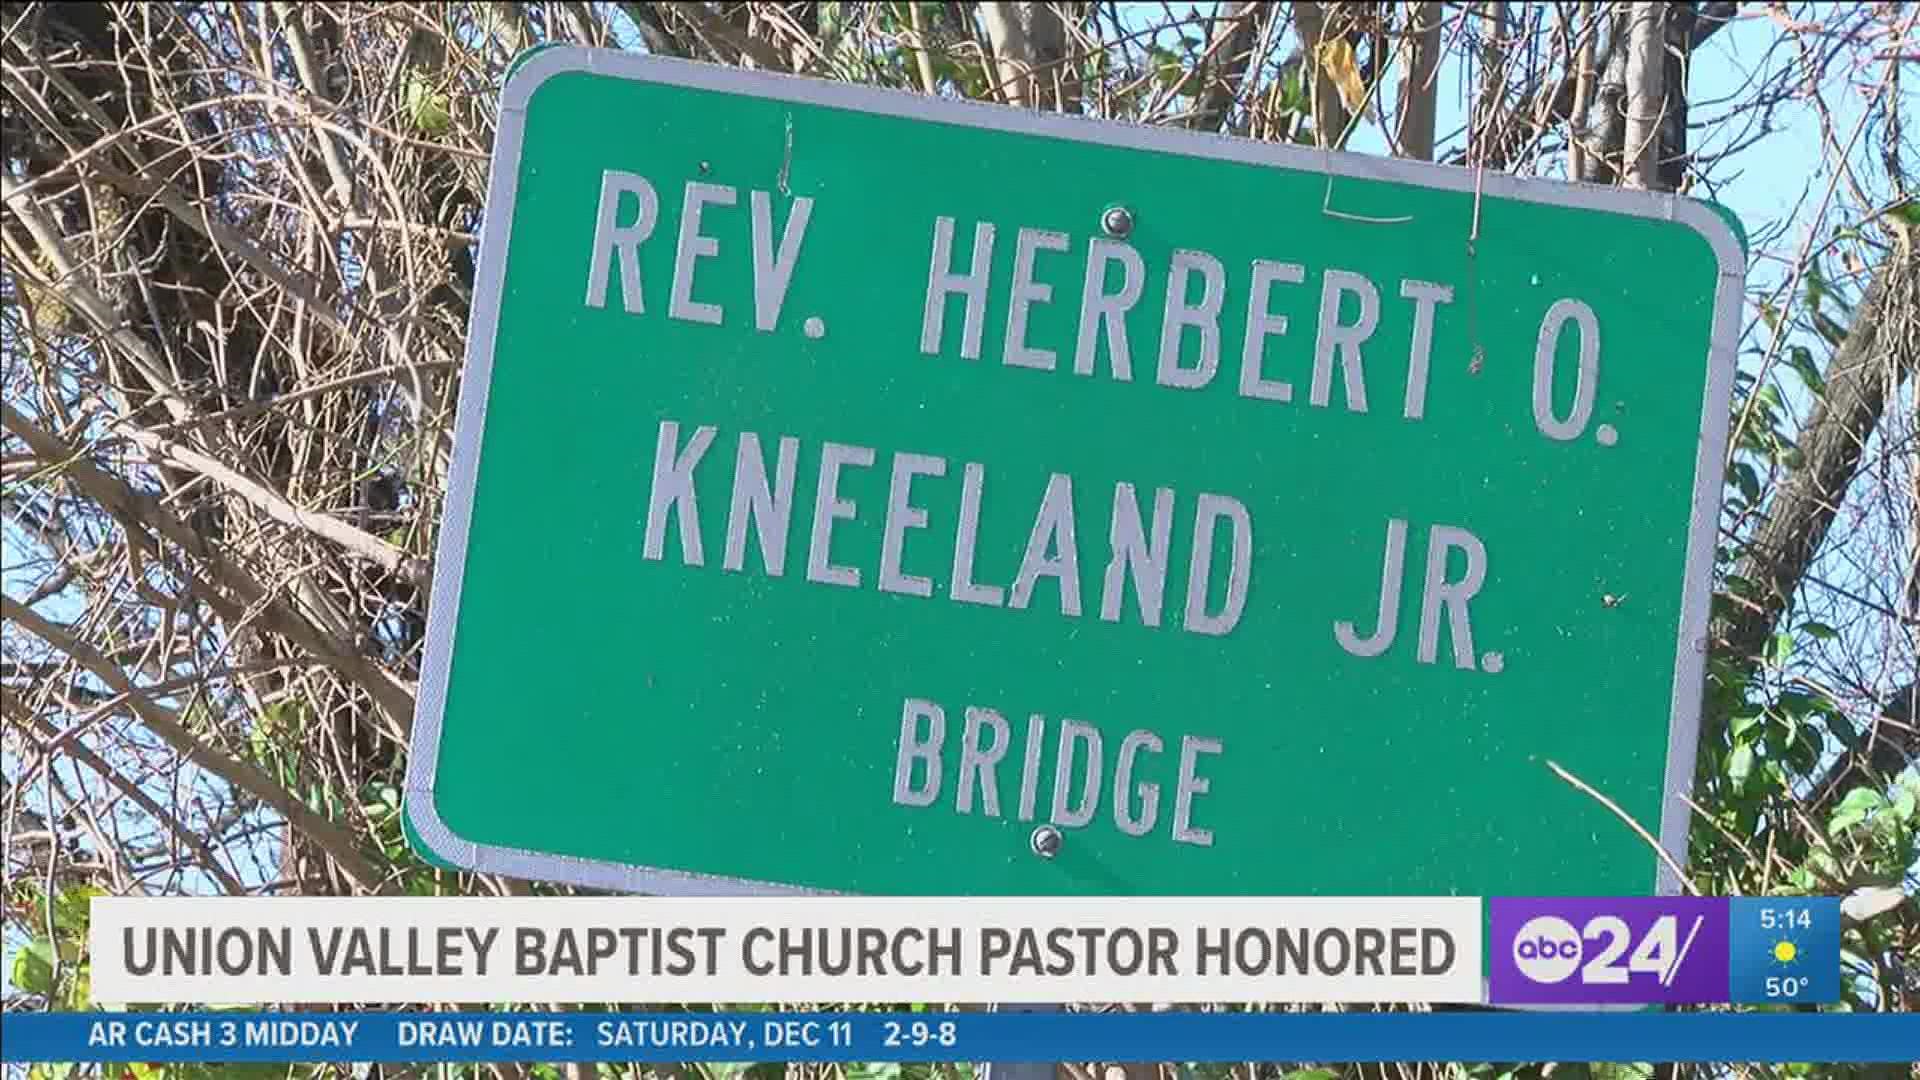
[1877,355]
[1645,94]
[1606,120]
[1420,90]
[1029,52]
[1681,27]
[1239,23]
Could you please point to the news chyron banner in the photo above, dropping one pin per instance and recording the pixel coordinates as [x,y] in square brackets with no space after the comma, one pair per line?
[1592,951]
[766,950]
[970,1036]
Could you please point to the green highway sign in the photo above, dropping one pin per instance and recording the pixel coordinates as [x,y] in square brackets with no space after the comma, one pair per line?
[861,492]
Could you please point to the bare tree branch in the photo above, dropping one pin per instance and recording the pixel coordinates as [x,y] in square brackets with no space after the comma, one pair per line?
[337,843]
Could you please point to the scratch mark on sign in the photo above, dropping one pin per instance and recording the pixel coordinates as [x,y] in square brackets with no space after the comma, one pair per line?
[786,157]
[1326,200]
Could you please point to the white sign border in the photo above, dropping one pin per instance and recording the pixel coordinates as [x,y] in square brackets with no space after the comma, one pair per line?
[539,65]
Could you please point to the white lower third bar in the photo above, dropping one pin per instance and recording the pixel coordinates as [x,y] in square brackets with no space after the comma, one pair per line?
[764,950]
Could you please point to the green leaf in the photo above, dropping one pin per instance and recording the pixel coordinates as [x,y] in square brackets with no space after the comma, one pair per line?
[1747,480]
[1853,809]
[1816,287]
[1819,630]
[1908,212]
[1843,730]
[1800,359]
[1830,331]
[33,966]
[1740,763]
[427,106]
[1313,1074]
[1168,69]
[1797,704]
[1782,648]
[73,909]
[1293,91]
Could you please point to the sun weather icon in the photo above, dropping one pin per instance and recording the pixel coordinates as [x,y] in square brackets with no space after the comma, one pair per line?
[1784,950]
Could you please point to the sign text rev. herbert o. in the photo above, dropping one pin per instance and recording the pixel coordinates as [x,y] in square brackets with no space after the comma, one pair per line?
[1187,354]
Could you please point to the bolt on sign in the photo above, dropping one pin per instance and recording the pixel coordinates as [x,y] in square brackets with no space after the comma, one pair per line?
[861,492]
